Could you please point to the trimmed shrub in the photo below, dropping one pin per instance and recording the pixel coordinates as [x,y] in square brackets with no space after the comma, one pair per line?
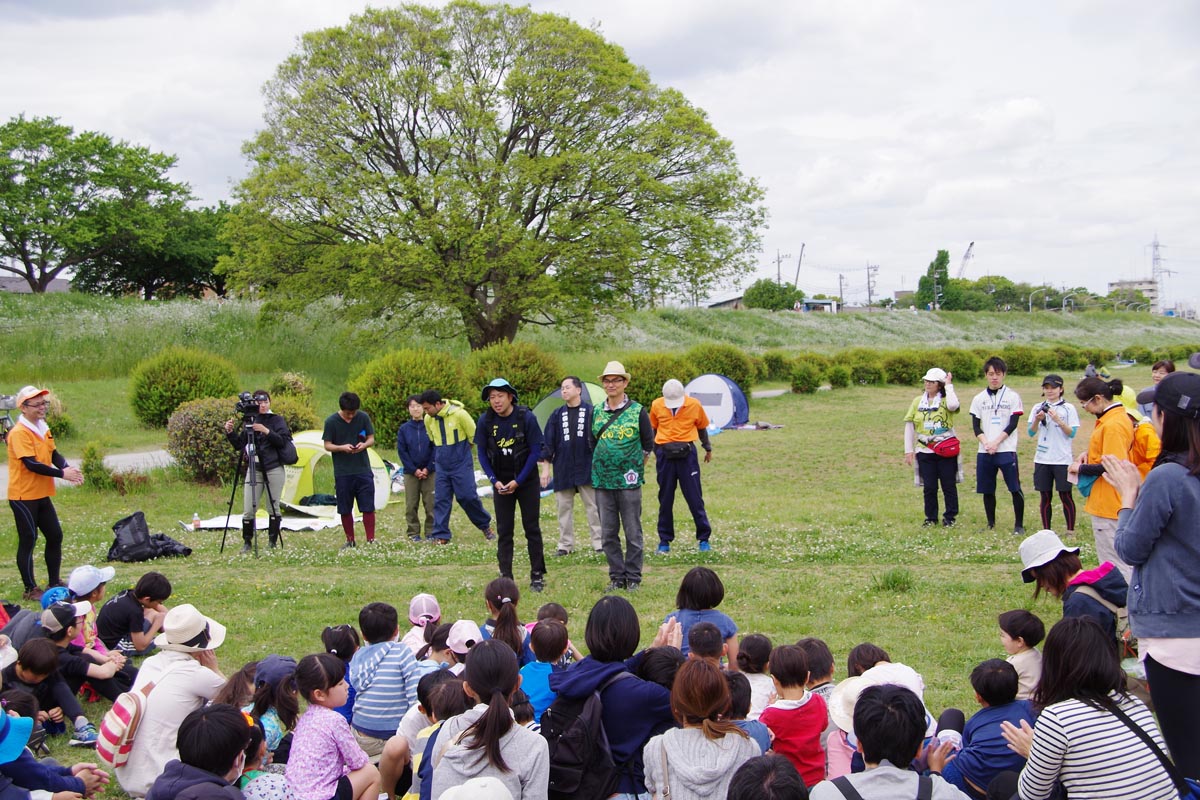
[1138,353]
[196,434]
[385,383]
[60,423]
[820,359]
[760,369]
[159,384]
[723,359]
[866,366]
[962,364]
[1099,356]
[905,367]
[651,370]
[806,377]
[838,376]
[95,475]
[292,384]
[1068,358]
[533,372]
[778,365]
[1021,359]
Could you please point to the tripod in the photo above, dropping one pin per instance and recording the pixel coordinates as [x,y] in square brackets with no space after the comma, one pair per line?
[249,454]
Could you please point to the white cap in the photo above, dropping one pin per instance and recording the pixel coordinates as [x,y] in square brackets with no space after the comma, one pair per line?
[673,395]
[935,374]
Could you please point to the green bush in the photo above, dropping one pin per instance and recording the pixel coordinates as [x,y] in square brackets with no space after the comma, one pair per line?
[533,372]
[159,384]
[905,367]
[1068,358]
[196,434]
[384,385]
[651,370]
[292,384]
[1021,359]
[723,359]
[866,367]
[838,376]
[760,369]
[778,365]
[1179,353]
[60,423]
[806,377]
[1098,356]
[95,475]
[1138,353]
[962,364]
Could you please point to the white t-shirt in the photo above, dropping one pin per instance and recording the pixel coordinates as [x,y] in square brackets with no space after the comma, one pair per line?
[1054,446]
[993,412]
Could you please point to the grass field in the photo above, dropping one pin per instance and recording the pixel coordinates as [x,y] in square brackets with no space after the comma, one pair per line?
[816,525]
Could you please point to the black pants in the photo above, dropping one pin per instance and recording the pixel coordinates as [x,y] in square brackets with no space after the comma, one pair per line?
[1176,698]
[935,470]
[528,496]
[32,516]
[108,688]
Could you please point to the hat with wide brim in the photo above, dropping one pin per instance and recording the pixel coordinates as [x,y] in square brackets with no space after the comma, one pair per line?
[842,699]
[481,788]
[14,735]
[499,383]
[615,368]
[186,630]
[1040,549]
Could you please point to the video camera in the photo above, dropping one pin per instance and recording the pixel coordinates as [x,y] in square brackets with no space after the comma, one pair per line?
[247,406]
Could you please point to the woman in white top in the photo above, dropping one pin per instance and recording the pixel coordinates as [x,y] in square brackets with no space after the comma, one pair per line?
[1080,742]
[185,677]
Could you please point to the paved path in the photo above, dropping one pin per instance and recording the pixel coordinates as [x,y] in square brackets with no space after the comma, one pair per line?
[120,462]
[769,393]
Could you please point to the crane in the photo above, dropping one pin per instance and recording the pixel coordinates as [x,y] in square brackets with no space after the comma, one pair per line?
[967,256]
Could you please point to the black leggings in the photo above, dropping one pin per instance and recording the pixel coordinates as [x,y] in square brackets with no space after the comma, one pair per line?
[1047,509]
[1176,698]
[32,516]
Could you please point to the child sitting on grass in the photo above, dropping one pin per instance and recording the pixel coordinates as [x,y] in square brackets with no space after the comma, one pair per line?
[1020,633]
[326,761]
[798,717]
[384,672]
[753,653]
[549,642]
[820,677]
[985,753]
[704,641]
[23,769]
[130,621]
[36,671]
[700,592]
[210,740]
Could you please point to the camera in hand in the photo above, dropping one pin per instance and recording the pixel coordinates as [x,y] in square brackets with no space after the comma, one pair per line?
[1045,408]
[247,406]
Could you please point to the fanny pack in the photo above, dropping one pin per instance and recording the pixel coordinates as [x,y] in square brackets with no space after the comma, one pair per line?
[947,448]
[674,451]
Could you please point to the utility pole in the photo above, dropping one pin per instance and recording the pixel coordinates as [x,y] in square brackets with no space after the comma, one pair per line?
[778,264]
[799,261]
[872,271]
[841,297]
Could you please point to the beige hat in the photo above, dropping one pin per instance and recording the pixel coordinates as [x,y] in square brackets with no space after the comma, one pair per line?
[28,393]
[935,374]
[186,630]
[615,368]
[673,394]
[842,699]
[486,788]
[1040,549]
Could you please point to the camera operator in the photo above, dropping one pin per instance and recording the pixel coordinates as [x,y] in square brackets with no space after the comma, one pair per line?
[271,433]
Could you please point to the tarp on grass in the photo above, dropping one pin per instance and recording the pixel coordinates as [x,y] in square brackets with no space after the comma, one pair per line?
[723,400]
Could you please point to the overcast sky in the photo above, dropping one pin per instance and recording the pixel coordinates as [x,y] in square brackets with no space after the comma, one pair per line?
[1061,137]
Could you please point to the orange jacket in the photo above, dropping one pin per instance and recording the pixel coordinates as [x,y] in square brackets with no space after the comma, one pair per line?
[1113,436]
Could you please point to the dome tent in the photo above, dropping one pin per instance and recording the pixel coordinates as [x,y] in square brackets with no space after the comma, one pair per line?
[723,400]
[298,478]
[591,391]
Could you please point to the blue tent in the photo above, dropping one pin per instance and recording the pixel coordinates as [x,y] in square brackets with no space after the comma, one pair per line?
[723,400]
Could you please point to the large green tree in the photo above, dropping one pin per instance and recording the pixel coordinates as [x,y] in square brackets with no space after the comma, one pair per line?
[178,259]
[66,198]
[768,294]
[502,166]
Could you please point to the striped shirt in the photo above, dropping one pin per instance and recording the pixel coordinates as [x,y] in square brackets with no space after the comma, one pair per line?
[1095,755]
[385,678]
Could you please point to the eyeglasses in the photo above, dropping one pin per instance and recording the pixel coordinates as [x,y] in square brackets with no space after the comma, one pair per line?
[612,381]
[42,404]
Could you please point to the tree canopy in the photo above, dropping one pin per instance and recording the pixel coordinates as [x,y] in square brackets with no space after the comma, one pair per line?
[177,260]
[66,198]
[768,294]
[500,166]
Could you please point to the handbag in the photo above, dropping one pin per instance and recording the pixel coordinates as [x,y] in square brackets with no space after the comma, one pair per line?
[1189,789]
[947,448]
[676,451]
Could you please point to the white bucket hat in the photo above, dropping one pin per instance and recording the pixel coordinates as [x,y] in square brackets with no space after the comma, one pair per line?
[1039,549]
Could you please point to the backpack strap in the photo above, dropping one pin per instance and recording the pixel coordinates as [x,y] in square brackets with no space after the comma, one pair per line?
[1085,589]
[924,787]
[1171,770]
[843,785]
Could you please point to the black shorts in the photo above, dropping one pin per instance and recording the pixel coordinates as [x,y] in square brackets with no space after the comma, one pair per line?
[1050,477]
[344,790]
[349,488]
[986,466]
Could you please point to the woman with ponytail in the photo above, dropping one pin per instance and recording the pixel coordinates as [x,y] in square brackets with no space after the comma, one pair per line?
[485,741]
[699,759]
[502,596]
[1112,436]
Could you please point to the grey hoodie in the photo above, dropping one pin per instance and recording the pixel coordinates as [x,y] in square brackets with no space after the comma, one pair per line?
[524,752]
[697,767]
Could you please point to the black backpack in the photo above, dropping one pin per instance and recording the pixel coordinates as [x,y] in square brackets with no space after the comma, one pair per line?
[581,763]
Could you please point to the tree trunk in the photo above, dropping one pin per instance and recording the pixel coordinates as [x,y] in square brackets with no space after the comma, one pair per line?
[482,330]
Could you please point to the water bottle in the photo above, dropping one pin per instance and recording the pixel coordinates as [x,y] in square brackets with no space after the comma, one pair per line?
[196,521]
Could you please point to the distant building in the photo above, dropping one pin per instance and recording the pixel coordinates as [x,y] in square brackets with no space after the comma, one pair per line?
[904,297]
[1147,286]
[733,302]
[827,306]
[11,283]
